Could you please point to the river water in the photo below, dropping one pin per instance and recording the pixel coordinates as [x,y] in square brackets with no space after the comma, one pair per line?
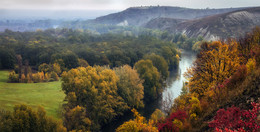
[173,89]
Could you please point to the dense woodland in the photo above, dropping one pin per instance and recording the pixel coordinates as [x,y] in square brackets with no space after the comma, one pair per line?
[105,75]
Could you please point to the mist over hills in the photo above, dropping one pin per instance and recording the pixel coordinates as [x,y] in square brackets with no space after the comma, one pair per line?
[212,24]
[139,16]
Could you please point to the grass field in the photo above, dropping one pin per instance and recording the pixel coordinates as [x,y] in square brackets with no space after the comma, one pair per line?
[49,95]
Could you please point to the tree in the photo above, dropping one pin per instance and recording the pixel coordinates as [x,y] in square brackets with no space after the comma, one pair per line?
[139,124]
[130,86]
[160,63]
[44,68]
[216,62]
[169,54]
[95,89]
[151,77]
[56,68]
[236,119]
[24,119]
[7,58]
[83,63]
[75,119]
[20,64]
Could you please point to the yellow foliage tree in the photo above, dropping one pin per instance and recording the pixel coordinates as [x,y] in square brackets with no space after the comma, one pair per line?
[216,62]
[130,86]
[139,124]
[95,89]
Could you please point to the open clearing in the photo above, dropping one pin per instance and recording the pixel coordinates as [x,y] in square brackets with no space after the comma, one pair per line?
[47,94]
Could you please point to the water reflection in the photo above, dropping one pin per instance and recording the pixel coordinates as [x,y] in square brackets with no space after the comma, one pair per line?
[176,79]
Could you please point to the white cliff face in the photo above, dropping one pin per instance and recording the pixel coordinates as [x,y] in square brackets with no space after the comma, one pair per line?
[233,24]
[124,23]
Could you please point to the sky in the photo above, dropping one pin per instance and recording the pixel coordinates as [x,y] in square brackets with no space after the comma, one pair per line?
[120,4]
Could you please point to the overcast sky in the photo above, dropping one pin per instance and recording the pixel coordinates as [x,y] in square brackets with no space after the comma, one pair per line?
[120,4]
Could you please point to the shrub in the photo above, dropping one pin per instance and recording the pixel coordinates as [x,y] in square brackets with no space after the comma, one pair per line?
[54,77]
[38,77]
[174,122]
[23,79]
[13,77]
[236,119]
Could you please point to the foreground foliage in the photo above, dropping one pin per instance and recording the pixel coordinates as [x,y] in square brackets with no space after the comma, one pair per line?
[24,119]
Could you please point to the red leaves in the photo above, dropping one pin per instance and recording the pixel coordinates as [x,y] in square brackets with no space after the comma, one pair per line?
[235,119]
[168,125]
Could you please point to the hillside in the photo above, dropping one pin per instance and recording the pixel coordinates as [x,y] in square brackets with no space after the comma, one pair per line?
[139,16]
[164,23]
[233,24]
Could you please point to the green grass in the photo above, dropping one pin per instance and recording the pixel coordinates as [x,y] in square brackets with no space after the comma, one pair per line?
[48,95]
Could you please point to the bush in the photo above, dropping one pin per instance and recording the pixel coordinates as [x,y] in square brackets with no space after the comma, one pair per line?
[54,77]
[23,79]
[38,77]
[236,119]
[47,77]
[13,77]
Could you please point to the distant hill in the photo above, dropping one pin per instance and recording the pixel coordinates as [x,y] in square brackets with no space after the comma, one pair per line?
[220,26]
[232,24]
[164,23]
[139,16]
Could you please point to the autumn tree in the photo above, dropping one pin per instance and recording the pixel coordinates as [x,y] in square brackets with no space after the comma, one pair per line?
[24,119]
[130,86]
[151,77]
[95,90]
[139,124]
[216,62]
[44,68]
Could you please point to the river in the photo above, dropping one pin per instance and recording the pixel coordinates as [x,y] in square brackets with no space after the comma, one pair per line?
[173,89]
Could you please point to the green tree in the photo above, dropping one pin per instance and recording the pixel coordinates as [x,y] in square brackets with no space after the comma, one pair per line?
[160,63]
[151,77]
[7,58]
[24,119]
[130,86]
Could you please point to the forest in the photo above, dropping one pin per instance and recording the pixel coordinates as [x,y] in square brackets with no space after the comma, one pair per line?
[104,76]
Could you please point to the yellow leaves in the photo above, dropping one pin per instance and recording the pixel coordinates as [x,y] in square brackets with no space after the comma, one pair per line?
[251,64]
[157,115]
[195,106]
[213,65]
[137,125]
[178,57]
[96,89]
[178,123]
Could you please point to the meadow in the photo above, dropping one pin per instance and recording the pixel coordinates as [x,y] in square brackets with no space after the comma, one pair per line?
[48,95]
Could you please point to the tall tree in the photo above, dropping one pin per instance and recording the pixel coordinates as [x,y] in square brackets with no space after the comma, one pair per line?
[151,77]
[130,86]
[94,89]
[216,62]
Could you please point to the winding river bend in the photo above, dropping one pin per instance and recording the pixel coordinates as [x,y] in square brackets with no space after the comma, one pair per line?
[173,89]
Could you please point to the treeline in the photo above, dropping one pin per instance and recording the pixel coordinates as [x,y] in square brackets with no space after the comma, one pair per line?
[68,46]
[102,75]
[222,93]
